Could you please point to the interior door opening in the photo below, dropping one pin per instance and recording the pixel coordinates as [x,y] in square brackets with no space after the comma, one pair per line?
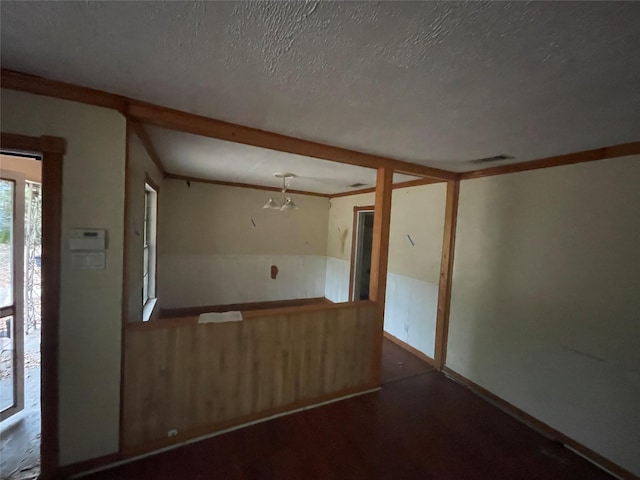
[20,315]
[363,244]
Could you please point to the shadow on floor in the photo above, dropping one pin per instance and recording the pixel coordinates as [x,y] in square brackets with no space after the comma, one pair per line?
[398,363]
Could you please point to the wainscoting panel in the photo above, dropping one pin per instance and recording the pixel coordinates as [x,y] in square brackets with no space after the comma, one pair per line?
[193,280]
[410,311]
[337,280]
[411,305]
[184,379]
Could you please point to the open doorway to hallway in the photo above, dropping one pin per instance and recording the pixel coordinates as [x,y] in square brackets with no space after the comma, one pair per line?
[361,253]
[20,316]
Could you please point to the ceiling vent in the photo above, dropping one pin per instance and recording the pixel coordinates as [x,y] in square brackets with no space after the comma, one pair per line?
[357,184]
[496,158]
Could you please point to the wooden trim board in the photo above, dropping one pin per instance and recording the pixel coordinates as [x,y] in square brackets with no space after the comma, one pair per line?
[124,308]
[243,307]
[37,145]
[446,272]
[199,125]
[354,192]
[409,348]
[538,425]
[52,150]
[208,127]
[613,151]
[354,236]
[185,178]
[16,308]
[380,260]
[410,183]
[196,124]
[93,464]
[25,82]
[182,121]
[148,145]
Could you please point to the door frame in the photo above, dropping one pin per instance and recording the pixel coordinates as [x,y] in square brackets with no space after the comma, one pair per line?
[51,150]
[354,246]
[16,309]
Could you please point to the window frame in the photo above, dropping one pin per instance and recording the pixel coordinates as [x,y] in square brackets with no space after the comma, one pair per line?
[149,248]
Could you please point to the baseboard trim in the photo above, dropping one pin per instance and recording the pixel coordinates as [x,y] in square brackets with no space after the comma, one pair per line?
[123,458]
[244,307]
[93,464]
[541,427]
[410,349]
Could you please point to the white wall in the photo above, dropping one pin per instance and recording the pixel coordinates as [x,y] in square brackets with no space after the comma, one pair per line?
[545,309]
[211,253]
[414,269]
[90,308]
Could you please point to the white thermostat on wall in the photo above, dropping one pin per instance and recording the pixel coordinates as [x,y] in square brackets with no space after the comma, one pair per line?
[88,239]
[88,247]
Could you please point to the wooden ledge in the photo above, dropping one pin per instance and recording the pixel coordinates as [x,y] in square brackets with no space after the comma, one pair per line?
[190,320]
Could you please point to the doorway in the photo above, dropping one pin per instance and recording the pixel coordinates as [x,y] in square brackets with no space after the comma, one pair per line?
[20,317]
[361,253]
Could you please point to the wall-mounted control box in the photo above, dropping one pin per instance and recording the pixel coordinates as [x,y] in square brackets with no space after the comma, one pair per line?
[88,239]
[88,247]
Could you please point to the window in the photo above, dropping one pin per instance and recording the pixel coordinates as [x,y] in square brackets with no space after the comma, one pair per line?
[149,255]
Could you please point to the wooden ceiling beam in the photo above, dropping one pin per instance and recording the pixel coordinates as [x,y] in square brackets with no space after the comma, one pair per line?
[409,183]
[209,127]
[142,134]
[242,185]
[613,151]
[24,82]
[190,123]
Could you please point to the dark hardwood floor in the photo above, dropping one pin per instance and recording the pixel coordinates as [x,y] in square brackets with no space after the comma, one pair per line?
[399,363]
[422,427]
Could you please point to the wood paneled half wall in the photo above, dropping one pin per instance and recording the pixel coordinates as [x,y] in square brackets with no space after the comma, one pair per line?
[184,380]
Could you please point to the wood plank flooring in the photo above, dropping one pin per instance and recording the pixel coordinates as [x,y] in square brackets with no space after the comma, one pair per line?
[422,427]
[399,363]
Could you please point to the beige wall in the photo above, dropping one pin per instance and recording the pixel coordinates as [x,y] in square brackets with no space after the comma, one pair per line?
[90,320]
[545,308]
[340,228]
[139,166]
[415,211]
[419,213]
[211,253]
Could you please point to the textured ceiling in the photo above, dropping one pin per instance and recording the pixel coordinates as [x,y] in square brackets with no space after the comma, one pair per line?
[428,82]
[202,157]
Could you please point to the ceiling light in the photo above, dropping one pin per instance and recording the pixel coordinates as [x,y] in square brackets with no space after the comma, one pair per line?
[286,203]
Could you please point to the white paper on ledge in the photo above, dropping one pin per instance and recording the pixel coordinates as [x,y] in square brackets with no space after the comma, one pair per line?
[220,317]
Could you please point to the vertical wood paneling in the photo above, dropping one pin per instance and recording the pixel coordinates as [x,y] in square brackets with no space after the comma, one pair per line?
[200,378]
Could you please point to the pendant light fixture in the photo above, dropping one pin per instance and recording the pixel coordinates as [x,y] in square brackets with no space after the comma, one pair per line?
[285,203]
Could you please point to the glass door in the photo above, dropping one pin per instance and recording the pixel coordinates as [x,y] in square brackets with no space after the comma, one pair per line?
[11,298]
